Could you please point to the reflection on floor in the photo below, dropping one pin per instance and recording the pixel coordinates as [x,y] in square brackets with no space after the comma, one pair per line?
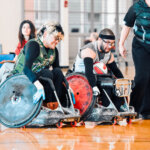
[135,136]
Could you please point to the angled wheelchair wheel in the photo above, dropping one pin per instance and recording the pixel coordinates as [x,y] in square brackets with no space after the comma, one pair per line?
[84,99]
[16,101]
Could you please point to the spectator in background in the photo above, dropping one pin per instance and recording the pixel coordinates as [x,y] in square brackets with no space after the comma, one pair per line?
[94,36]
[86,41]
[26,32]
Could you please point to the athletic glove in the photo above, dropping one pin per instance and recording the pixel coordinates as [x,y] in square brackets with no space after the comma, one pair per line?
[39,93]
[96,91]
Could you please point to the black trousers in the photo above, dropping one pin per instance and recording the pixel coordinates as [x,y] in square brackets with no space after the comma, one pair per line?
[57,77]
[140,96]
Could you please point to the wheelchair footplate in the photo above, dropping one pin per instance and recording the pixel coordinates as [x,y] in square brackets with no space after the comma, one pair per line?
[123,89]
[70,117]
[58,116]
[101,114]
[46,117]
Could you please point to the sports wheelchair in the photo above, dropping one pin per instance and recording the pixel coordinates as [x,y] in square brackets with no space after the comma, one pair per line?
[17,107]
[120,88]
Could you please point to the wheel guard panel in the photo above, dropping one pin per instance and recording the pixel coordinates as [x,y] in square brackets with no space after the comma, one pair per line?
[16,101]
[82,92]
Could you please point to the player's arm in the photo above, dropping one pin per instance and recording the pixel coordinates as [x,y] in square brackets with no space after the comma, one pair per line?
[114,68]
[88,56]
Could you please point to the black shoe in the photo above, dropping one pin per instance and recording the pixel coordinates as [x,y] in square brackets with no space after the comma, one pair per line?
[146,117]
[138,117]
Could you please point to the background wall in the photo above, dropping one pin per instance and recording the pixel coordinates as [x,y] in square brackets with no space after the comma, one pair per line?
[11,14]
[78,18]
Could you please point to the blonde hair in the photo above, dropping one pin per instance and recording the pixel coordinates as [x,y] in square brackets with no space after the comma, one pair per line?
[50,27]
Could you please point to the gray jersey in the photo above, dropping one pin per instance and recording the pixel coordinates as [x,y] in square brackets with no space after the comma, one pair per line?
[103,57]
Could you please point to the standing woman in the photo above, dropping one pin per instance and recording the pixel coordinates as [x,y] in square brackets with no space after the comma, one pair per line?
[26,32]
[138,17]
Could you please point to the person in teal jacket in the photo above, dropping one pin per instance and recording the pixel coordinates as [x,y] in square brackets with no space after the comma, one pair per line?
[138,17]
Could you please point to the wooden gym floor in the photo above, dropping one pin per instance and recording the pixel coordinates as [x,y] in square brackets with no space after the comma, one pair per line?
[135,136]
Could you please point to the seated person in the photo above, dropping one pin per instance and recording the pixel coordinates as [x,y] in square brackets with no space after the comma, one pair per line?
[99,50]
[94,36]
[38,56]
[26,32]
[86,41]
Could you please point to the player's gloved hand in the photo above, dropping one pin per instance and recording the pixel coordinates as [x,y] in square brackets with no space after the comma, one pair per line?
[39,93]
[96,91]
